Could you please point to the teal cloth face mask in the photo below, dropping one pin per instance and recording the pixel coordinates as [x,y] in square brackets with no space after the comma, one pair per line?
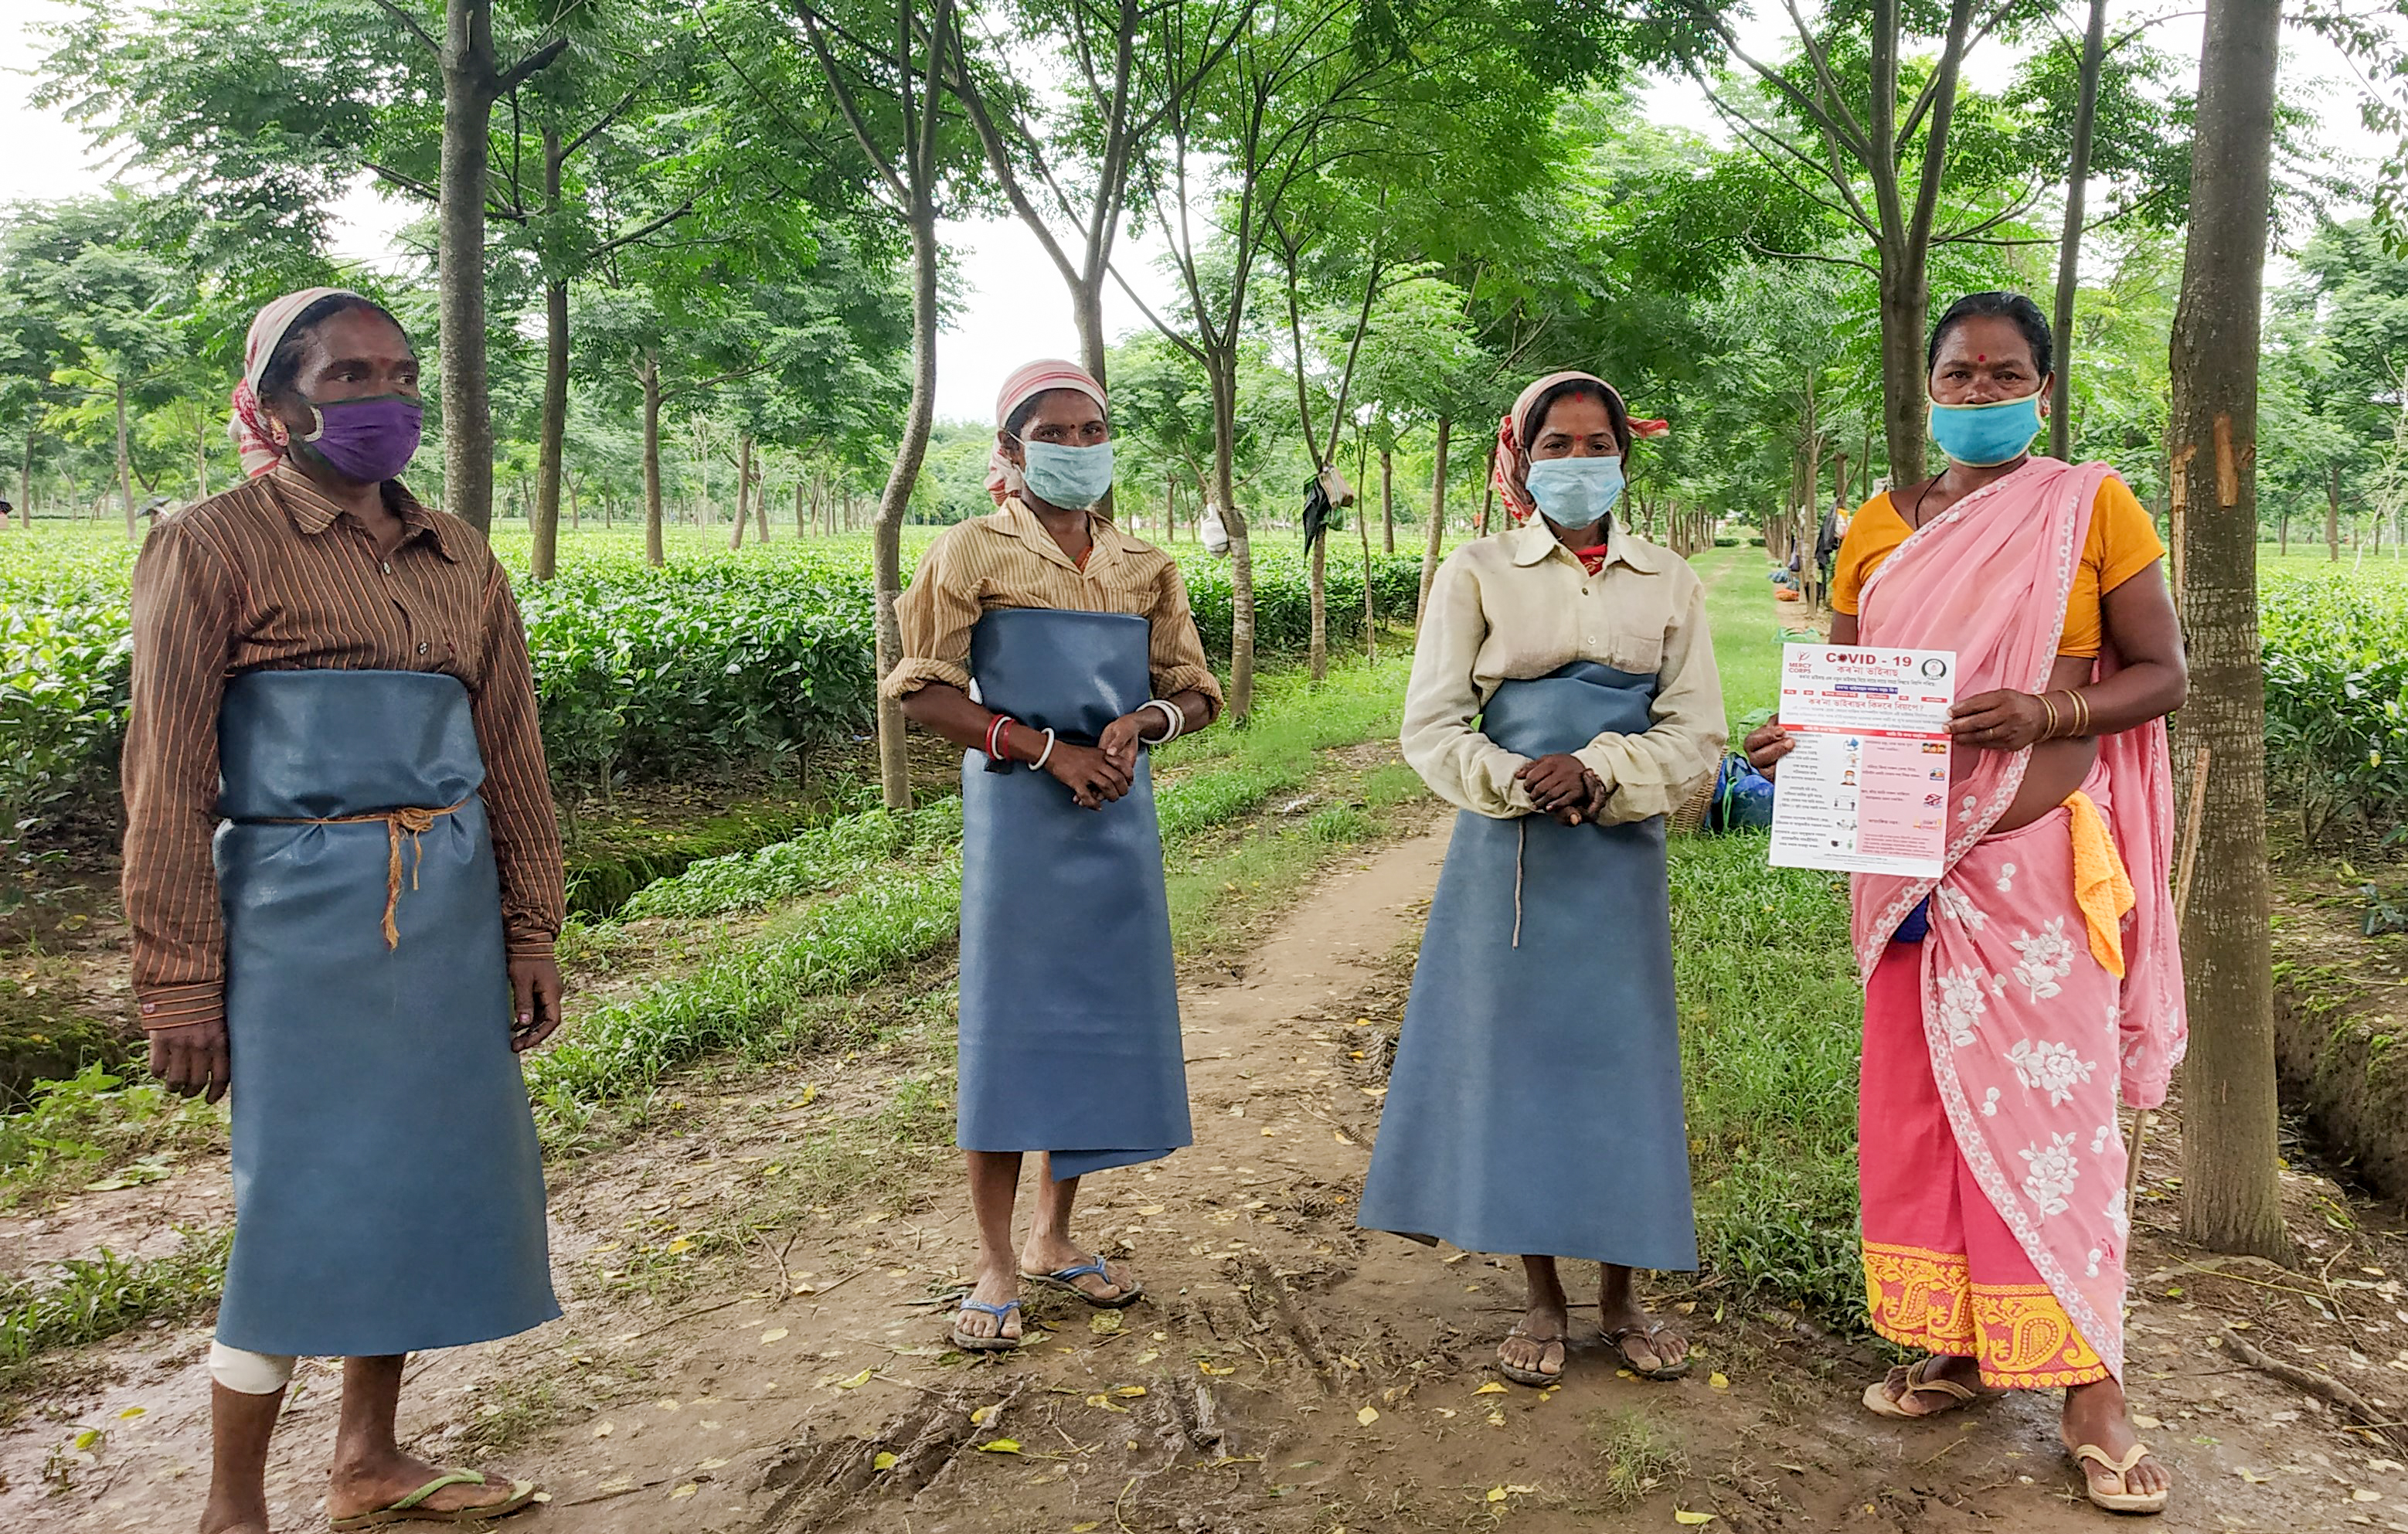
[1073,479]
[1985,436]
[1574,491]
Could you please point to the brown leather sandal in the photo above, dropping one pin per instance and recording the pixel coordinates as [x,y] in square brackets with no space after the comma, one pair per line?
[1912,1379]
[1537,1379]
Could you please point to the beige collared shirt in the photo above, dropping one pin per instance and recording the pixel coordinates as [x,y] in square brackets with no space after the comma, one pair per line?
[1520,606]
[1007,559]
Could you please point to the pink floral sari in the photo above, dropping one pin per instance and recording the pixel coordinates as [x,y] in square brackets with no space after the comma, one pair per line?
[2021,1021]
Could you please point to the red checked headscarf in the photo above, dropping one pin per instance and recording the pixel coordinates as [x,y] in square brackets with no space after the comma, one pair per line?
[1025,384]
[253,434]
[1511,470]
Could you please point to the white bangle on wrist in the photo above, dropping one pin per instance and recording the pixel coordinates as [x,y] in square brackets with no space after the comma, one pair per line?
[1045,756]
[1174,722]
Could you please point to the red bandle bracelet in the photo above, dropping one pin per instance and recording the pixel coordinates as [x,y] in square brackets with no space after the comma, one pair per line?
[998,737]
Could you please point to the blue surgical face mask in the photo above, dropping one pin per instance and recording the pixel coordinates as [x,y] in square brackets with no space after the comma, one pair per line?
[1074,478]
[1985,436]
[1574,491]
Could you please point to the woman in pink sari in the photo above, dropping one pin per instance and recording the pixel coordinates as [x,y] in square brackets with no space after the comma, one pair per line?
[2008,1001]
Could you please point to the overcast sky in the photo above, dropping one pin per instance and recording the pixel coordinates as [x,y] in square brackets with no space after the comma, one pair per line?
[1015,305]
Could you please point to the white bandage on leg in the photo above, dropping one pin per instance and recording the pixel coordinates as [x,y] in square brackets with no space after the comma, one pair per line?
[248,1373]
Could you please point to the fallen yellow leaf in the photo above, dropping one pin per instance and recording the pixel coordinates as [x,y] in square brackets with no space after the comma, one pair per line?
[686,1490]
[810,1096]
[1226,1369]
[775,1334]
[1497,1494]
[1085,1528]
[713,1465]
[857,1381]
[1104,1322]
[131,1412]
[1692,1519]
[1369,1415]
[1719,1381]
[2254,1478]
[1130,1391]
[1491,1388]
[1000,1446]
[1148,1210]
[884,1460]
[683,1243]
[603,1429]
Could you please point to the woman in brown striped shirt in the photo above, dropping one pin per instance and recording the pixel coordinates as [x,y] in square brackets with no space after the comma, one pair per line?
[332,686]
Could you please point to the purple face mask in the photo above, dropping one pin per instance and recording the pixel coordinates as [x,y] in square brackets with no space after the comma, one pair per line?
[367,440]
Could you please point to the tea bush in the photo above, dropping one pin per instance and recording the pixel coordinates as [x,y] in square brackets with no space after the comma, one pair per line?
[720,661]
[2336,655]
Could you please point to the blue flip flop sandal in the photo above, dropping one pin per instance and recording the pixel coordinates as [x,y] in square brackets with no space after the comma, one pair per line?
[1066,1278]
[997,1343]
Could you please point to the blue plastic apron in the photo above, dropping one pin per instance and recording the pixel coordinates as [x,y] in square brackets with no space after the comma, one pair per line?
[1070,1000]
[388,1185]
[1534,1106]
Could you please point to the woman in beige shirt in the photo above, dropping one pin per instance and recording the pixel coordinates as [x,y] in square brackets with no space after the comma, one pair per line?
[1564,698]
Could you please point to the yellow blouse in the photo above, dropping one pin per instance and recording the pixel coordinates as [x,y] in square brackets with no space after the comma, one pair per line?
[2123,543]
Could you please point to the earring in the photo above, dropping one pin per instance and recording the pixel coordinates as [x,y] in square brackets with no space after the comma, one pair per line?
[317,424]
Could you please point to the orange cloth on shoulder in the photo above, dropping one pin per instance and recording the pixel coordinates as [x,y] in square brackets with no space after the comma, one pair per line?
[2123,542]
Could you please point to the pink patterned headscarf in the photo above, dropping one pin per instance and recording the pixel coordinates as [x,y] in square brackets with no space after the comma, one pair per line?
[1512,465]
[253,434]
[1025,384]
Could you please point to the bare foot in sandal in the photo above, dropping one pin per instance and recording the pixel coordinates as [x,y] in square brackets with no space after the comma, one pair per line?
[1654,1349]
[1925,1387]
[1534,1353]
[2097,1419]
[995,1289]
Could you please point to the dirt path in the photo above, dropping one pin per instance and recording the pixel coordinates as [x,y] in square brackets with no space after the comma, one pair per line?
[1289,1373]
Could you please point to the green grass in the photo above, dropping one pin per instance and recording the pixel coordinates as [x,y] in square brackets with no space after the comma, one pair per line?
[97,1126]
[811,863]
[904,903]
[1769,1028]
[1748,636]
[99,1297]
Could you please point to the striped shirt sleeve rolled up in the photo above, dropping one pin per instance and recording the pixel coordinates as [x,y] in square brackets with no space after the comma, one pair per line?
[1006,559]
[273,575]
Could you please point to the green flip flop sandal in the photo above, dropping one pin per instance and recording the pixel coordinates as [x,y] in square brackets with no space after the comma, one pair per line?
[410,1508]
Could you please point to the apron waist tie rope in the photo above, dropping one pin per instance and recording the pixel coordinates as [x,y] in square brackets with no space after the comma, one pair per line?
[408,820]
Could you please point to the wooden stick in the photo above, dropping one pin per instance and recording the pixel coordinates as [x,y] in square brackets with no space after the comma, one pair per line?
[2325,1389]
[2189,864]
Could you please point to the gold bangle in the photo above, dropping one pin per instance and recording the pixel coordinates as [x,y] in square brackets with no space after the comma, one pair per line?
[2049,731]
[2082,710]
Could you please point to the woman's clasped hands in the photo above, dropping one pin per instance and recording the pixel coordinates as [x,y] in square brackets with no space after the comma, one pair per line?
[1563,787]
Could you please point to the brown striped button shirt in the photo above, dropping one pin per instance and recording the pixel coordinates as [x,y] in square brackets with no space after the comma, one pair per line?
[272,576]
[1007,559]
